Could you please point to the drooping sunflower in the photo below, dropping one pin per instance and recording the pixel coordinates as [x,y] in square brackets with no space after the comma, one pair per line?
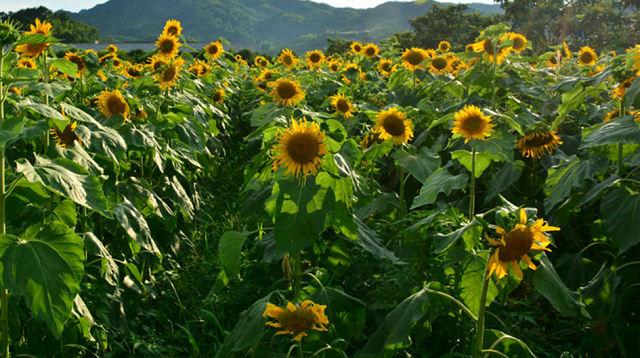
[172,27]
[168,46]
[356,47]
[519,42]
[393,124]
[261,62]
[300,149]
[75,58]
[297,320]
[621,90]
[288,59]
[26,62]
[471,123]
[342,105]
[286,91]
[167,78]
[315,59]
[444,46]
[497,54]
[440,65]
[34,50]
[214,50]
[112,103]
[515,244]
[587,56]
[537,143]
[218,96]
[67,137]
[370,51]
[616,113]
[412,58]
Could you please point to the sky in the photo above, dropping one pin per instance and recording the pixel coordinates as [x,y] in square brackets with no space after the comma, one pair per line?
[77,5]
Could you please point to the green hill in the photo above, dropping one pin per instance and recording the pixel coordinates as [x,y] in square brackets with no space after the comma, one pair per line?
[298,24]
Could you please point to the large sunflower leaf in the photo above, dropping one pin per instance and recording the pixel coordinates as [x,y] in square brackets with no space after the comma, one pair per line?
[621,217]
[473,276]
[501,144]
[46,266]
[397,325]
[548,283]
[483,160]
[620,130]
[229,251]
[68,179]
[369,240]
[248,330]
[439,182]
[504,178]
[11,129]
[135,226]
[192,134]
[569,174]
[109,270]
[337,203]
[511,346]
[420,165]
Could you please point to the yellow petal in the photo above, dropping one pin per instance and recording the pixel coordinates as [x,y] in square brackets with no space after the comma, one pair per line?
[516,268]
[523,217]
[527,260]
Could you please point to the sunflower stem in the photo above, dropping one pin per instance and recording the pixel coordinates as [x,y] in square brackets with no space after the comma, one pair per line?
[401,203]
[300,348]
[481,310]
[620,152]
[4,294]
[493,78]
[472,195]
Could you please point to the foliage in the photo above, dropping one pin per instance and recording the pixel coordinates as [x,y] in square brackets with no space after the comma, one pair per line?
[66,29]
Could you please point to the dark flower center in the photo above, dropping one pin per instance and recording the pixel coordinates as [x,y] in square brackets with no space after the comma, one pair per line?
[115,105]
[439,63]
[302,148]
[518,43]
[473,124]
[586,57]
[519,242]
[393,125]
[298,321]
[343,106]
[414,58]
[169,74]
[314,57]
[286,90]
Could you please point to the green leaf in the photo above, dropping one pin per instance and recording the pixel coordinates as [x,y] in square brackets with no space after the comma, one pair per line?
[473,276]
[597,189]
[68,179]
[135,225]
[65,66]
[500,144]
[397,325]
[46,112]
[420,165]
[11,129]
[52,90]
[192,134]
[445,241]
[345,313]
[509,345]
[483,160]
[229,250]
[369,240]
[439,182]
[337,203]
[176,192]
[621,217]
[503,179]
[570,174]
[46,266]
[109,270]
[249,329]
[620,130]
[547,282]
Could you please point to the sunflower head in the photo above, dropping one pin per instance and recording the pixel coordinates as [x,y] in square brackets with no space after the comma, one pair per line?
[471,123]
[168,46]
[67,137]
[370,51]
[492,50]
[218,96]
[168,76]
[537,144]
[300,149]
[288,59]
[621,90]
[444,46]
[112,103]
[342,105]
[335,66]
[286,91]
[34,50]
[8,33]
[315,59]
[261,62]
[515,244]
[519,42]
[587,56]
[385,66]
[26,62]
[393,124]
[113,49]
[356,47]
[172,28]
[213,50]
[412,58]
[75,58]
[297,320]
[440,65]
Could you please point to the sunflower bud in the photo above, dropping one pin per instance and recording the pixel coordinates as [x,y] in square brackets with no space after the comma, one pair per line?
[8,33]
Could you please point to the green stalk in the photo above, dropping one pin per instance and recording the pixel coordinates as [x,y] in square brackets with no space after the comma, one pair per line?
[300,348]
[45,71]
[401,204]
[622,111]
[472,195]
[481,310]
[4,294]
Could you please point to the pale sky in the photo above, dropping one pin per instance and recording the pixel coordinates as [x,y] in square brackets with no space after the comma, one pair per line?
[77,5]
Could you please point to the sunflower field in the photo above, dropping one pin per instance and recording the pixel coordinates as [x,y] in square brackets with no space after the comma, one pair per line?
[386,202]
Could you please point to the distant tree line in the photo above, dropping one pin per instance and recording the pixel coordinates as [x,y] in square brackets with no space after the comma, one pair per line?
[64,29]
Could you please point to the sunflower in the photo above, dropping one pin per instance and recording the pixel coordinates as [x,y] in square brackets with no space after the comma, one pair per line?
[334,66]
[213,50]
[286,91]
[497,54]
[342,105]
[315,59]
[168,46]
[566,53]
[536,143]
[112,103]
[616,113]
[444,46]
[519,42]
[515,244]
[356,47]
[287,58]
[266,75]
[370,51]
[554,59]
[385,66]
[371,139]
[112,49]
[116,62]
[26,63]
[172,28]
[218,96]
[168,76]
[75,58]
[412,58]
[472,124]
[66,137]
[199,68]
[155,62]
[261,62]
[621,90]
[297,320]
[300,149]
[393,124]
[587,56]
[34,50]
[440,65]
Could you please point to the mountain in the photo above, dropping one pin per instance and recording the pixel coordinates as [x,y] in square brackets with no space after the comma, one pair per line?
[300,25]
